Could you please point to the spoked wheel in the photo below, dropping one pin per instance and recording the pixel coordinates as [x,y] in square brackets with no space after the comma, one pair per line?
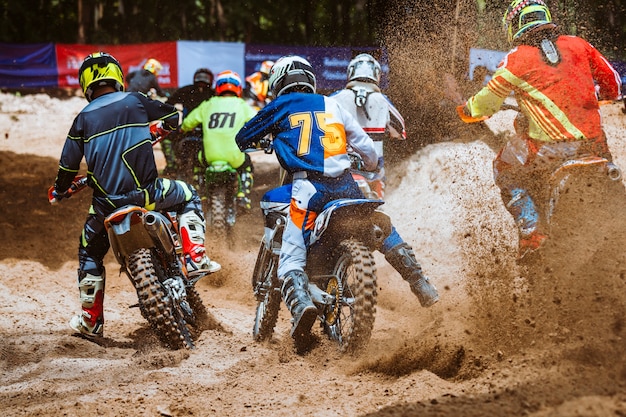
[350,319]
[155,304]
[267,293]
[218,211]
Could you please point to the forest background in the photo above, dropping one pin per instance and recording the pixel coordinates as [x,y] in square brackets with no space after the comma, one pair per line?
[305,22]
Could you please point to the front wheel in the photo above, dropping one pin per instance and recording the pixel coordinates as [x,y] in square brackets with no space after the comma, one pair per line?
[267,293]
[155,303]
[349,320]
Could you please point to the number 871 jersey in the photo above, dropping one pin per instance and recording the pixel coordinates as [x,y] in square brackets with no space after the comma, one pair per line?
[311,132]
[221,118]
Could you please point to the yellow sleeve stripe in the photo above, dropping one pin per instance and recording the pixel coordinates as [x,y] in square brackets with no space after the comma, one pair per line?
[546,115]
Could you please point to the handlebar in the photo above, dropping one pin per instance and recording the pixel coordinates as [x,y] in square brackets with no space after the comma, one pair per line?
[356,167]
[264,144]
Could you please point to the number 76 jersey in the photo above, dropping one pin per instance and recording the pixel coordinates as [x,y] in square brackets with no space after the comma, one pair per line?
[311,133]
[221,118]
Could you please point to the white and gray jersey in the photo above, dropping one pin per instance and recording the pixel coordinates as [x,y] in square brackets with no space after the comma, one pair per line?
[373,110]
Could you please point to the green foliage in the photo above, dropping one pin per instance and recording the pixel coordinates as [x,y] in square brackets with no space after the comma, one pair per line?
[306,22]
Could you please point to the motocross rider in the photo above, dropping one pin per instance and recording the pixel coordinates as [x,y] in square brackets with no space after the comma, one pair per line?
[145,80]
[554,80]
[256,90]
[311,135]
[113,134]
[221,118]
[373,110]
[185,99]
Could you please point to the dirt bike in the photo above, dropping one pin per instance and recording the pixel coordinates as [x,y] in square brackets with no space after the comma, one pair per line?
[340,267]
[560,170]
[146,245]
[219,192]
[186,148]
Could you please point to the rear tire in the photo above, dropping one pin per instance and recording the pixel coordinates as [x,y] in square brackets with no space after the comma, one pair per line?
[218,211]
[155,304]
[350,319]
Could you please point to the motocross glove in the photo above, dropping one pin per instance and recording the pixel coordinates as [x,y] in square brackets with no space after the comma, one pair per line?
[80,182]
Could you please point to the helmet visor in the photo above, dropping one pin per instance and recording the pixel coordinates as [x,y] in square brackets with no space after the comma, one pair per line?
[526,19]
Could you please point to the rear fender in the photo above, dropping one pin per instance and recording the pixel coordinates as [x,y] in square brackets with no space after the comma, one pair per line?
[220,172]
[352,218]
[602,165]
[126,232]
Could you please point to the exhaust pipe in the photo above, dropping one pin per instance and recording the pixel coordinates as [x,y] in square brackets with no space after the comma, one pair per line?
[613,171]
[156,226]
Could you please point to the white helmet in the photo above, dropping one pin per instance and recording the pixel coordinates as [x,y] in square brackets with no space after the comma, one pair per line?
[289,72]
[364,68]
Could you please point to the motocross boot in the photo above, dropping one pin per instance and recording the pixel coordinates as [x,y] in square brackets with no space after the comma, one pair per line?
[296,296]
[402,258]
[530,243]
[91,321]
[192,230]
[526,217]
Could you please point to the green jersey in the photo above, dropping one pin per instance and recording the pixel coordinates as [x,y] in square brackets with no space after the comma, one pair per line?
[221,118]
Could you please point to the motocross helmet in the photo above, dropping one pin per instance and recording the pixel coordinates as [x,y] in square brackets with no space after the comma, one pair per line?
[203,75]
[153,66]
[364,68]
[266,66]
[100,69]
[523,15]
[289,72]
[228,81]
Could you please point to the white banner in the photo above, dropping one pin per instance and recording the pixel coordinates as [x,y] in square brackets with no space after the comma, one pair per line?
[486,58]
[216,56]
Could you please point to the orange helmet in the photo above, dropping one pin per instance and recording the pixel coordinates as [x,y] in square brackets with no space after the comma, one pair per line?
[153,66]
[228,81]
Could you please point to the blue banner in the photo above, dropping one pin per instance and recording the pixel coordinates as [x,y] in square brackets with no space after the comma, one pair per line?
[28,65]
[330,64]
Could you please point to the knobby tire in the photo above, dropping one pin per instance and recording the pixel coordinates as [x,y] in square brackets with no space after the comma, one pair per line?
[266,287]
[155,304]
[351,319]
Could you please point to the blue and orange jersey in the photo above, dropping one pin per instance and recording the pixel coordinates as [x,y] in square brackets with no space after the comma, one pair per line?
[311,133]
[560,101]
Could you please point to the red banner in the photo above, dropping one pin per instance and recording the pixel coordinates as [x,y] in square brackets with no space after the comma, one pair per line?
[131,57]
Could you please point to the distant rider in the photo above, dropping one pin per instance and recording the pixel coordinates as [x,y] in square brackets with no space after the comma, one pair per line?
[256,90]
[145,80]
[221,118]
[311,134]
[113,134]
[374,111]
[557,81]
[186,99]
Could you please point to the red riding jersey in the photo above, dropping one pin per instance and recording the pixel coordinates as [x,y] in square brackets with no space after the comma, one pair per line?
[560,100]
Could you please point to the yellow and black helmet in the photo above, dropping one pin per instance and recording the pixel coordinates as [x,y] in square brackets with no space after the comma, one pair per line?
[100,69]
[523,15]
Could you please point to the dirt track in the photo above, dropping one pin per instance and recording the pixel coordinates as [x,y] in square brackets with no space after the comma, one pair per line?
[546,339]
